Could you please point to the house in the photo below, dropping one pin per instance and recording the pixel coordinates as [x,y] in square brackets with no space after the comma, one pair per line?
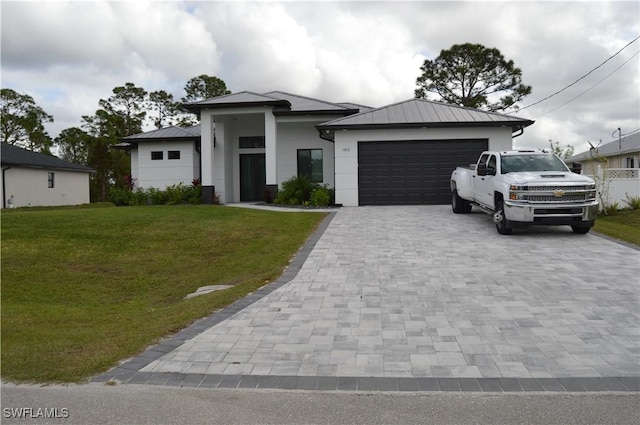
[623,153]
[34,179]
[248,143]
[615,166]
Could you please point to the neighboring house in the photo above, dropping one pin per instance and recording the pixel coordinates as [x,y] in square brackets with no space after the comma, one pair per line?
[249,143]
[33,179]
[618,154]
[616,168]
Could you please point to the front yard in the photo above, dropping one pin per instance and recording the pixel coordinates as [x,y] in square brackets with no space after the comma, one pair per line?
[623,225]
[85,288]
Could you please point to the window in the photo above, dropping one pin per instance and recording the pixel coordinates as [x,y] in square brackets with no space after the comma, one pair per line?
[631,163]
[51,180]
[173,155]
[156,155]
[310,164]
[251,142]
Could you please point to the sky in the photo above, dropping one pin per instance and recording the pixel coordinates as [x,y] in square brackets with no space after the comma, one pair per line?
[69,55]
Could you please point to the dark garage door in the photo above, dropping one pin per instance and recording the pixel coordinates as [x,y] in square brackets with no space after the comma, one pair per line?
[412,172]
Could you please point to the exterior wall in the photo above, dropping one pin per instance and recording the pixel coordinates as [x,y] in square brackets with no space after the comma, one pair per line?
[346,150]
[620,161]
[222,164]
[302,135]
[165,172]
[28,187]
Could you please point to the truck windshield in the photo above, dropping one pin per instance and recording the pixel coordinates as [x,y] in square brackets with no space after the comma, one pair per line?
[513,163]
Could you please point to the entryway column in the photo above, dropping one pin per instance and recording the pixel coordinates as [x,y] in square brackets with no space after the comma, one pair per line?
[270,135]
[206,158]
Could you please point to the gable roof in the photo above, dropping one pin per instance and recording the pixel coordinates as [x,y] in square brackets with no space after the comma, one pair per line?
[414,113]
[14,155]
[282,102]
[628,144]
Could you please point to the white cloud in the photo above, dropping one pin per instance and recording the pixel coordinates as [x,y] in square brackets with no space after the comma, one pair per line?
[68,55]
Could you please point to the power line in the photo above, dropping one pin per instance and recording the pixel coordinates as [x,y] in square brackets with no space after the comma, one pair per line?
[581,78]
[584,92]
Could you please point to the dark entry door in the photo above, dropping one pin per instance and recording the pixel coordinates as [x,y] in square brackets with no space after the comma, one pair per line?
[252,177]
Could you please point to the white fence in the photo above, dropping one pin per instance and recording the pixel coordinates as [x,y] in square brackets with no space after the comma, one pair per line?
[616,185]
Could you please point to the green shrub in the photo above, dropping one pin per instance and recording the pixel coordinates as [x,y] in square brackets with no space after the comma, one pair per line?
[611,209]
[633,201]
[176,194]
[321,196]
[296,191]
[120,196]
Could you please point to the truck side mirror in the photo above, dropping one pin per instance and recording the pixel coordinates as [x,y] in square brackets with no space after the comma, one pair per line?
[484,171]
[576,167]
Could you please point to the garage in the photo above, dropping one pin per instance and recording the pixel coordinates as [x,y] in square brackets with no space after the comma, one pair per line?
[404,154]
[415,172]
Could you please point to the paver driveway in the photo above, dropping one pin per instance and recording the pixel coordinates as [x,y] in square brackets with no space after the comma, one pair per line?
[416,291]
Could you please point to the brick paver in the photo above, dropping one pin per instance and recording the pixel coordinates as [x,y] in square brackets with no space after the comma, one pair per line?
[418,292]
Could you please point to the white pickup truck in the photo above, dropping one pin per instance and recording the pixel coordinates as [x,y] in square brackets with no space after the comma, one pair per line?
[525,187]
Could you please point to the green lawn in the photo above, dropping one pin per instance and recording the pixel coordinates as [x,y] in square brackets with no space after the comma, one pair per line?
[623,225]
[84,288]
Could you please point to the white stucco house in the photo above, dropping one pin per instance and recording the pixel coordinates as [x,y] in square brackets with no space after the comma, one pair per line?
[34,179]
[247,143]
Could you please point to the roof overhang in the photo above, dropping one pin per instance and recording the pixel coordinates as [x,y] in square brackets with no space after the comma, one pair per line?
[327,130]
[197,108]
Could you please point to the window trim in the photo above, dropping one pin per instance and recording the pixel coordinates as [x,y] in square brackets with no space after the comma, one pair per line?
[311,176]
[251,142]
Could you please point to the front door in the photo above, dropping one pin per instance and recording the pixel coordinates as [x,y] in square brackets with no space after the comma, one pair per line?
[252,177]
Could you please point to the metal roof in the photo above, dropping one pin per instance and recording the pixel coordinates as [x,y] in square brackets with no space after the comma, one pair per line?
[361,108]
[240,99]
[628,144]
[283,103]
[308,104]
[14,155]
[173,132]
[420,113]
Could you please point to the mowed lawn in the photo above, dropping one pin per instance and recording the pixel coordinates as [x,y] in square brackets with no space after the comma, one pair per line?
[85,288]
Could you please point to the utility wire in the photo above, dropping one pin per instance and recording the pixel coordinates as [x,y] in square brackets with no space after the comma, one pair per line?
[584,92]
[581,78]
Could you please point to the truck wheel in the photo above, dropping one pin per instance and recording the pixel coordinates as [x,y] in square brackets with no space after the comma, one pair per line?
[459,205]
[502,224]
[580,230]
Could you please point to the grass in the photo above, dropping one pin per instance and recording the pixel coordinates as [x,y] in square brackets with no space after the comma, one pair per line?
[85,288]
[623,225]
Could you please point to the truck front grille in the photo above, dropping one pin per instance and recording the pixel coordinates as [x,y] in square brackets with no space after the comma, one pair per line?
[552,198]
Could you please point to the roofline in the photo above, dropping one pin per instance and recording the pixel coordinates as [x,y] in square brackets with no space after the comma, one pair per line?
[513,124]
[343,112]
[85,169]
[202,104]
[344,108]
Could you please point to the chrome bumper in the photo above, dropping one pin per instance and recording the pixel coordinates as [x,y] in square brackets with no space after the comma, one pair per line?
[550,213]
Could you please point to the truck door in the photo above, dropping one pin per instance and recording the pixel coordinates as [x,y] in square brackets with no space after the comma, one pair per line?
[483,185]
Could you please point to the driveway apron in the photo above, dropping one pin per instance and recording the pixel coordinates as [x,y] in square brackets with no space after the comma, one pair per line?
[418,292]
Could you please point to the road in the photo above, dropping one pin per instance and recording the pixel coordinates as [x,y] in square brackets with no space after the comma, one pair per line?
[147,404]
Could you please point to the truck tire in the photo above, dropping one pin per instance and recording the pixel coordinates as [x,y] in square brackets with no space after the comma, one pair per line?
[502,224]
[581,230]
[459,205]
